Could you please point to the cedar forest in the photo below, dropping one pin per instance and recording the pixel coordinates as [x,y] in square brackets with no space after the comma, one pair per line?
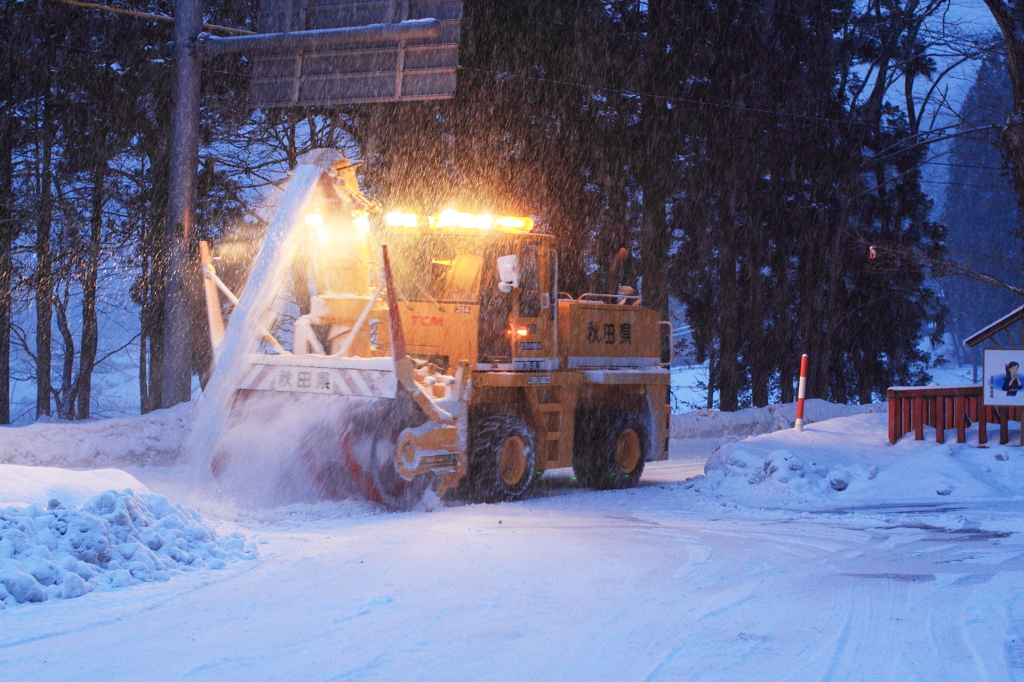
[749,153]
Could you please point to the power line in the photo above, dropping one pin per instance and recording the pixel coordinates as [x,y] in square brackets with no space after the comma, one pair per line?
[152,17]
[700,103]
[963,184]
[682,100]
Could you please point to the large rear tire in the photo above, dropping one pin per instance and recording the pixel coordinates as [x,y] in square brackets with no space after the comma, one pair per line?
[502,458]
[610,449]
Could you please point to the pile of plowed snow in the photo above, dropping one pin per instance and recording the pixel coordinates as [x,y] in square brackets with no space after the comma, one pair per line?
[21,486]
[56,551]
[757,420]
[849,462]
[154,438]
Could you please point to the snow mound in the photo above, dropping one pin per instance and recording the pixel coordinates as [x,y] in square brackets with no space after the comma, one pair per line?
[757,420]
[115,539]
[849,462]
[21,486]
[154,438]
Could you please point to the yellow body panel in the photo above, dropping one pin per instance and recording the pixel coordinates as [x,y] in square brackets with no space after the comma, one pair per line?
[591,330]
[447,330]
[605,354]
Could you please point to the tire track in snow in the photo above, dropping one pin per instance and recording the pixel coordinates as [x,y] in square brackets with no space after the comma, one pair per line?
[946,625]
[176,591]
[899,621]
[746,636]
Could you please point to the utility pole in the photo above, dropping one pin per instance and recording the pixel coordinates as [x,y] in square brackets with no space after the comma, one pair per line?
[181,204]
[191,45]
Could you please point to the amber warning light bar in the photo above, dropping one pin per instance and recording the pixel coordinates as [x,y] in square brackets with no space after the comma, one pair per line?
[454,219]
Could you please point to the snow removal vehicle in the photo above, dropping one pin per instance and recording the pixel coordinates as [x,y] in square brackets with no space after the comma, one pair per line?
[431,352]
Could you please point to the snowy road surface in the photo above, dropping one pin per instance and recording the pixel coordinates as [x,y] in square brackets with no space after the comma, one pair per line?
[636,585]
[663,582]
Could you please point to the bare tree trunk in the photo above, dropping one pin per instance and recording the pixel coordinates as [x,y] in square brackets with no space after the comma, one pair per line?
[654,247]
[144,334]
[813,323]
[786,377]
[153,321]
[728,321]
[864,383]
[8,232]
[824,371]
[755,327]
[151,289]
[90,326]
[712,378]
[728,335]
[657,165]
[44,266]
[65,398]
[1011,24]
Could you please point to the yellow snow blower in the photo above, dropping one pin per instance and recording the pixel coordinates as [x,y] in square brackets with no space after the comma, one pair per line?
[428,352]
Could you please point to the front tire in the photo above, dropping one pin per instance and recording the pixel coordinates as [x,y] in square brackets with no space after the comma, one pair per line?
[502,458]
[610,449]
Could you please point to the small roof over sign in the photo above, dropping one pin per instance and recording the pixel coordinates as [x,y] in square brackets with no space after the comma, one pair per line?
[382,71]
[994,328]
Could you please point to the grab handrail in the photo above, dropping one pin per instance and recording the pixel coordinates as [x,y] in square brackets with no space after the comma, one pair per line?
[620,298]
[671,346]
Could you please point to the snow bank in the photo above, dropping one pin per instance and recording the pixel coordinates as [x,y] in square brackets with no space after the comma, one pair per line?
[113,539]
[849,462]
[154,438]
[758,420]
[21,486]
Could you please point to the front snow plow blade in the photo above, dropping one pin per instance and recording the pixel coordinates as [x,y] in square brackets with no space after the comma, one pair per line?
[372,437]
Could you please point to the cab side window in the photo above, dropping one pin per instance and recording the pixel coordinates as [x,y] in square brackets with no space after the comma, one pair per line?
[529,282]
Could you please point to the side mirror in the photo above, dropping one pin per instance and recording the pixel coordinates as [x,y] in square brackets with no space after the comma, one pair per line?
[508,273]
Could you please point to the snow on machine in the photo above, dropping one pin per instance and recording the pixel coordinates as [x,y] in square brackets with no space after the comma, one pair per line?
[428,352]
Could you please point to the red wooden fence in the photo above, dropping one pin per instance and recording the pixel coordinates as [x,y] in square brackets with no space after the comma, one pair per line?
[911,408]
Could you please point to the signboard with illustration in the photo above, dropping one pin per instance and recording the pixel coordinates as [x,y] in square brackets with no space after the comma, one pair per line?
[1003,380]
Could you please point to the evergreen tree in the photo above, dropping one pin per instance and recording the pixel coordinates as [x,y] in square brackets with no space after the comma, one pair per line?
[734,148]
[981,210]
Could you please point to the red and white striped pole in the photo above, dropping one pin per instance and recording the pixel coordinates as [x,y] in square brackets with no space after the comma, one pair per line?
[800,393]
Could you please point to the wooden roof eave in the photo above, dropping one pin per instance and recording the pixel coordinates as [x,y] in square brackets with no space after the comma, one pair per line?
[994,328]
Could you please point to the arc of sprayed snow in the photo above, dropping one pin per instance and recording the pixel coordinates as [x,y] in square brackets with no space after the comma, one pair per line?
[247,319]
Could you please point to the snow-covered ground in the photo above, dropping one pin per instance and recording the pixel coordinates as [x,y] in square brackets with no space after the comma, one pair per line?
[823,555]
[151,439]
[689,381]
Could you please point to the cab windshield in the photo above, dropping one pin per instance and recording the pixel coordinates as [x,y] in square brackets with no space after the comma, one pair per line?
[444,268]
